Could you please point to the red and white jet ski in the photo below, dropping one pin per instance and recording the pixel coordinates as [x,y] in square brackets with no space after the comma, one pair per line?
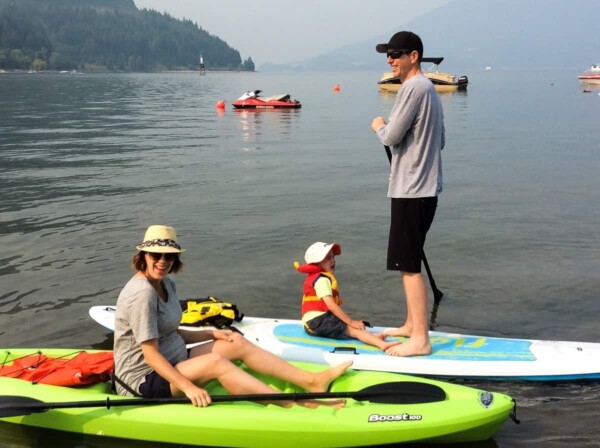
[252,100]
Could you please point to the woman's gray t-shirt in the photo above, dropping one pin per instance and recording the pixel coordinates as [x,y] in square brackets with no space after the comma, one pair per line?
[141,316]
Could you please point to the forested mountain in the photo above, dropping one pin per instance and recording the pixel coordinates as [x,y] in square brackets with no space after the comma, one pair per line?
[105,35]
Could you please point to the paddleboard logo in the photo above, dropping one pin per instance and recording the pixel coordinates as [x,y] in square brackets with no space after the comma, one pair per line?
[486,399]
[375,418]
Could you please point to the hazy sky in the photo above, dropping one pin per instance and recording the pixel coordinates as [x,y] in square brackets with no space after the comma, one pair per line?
[282,31]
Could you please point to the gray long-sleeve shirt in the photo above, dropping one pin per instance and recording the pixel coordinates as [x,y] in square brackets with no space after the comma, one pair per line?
[415,131]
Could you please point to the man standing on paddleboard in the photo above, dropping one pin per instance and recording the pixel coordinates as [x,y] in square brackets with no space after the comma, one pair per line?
[415,131]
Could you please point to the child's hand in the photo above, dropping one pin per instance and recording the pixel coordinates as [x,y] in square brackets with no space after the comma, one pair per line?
[358,324]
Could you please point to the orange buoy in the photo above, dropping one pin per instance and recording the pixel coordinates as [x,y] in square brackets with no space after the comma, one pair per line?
[220,104]
[336,88]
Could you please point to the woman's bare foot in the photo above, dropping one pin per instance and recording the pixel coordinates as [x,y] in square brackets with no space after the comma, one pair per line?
[312,404]
[400,331]
[409,348]
[335,403]
[323,379]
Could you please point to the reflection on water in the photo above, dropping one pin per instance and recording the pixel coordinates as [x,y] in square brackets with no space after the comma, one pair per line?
[254,121]
[587,87]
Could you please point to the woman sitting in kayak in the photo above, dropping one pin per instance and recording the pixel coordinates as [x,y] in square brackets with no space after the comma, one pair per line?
[151,359]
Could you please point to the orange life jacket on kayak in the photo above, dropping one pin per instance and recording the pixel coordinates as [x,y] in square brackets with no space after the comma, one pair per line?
[84,368]
[310,301]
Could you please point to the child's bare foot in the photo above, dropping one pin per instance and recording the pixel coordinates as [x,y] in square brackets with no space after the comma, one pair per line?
[400,331]
[323,379]
[388,345]
[409,348]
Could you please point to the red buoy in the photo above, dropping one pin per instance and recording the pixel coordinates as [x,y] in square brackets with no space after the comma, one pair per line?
[336,88]
[220,104]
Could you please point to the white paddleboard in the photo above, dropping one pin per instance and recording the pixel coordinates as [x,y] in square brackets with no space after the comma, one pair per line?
[453,355]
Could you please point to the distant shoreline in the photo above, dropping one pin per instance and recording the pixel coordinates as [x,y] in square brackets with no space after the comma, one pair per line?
[81,72]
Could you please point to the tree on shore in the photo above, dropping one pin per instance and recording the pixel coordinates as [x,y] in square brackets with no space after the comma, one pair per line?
[105,34]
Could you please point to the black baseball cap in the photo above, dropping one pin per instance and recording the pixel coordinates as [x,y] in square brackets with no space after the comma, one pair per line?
[403,40]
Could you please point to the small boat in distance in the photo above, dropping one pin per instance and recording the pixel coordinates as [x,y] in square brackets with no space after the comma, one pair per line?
[253,100]
[443,82]
[591,76]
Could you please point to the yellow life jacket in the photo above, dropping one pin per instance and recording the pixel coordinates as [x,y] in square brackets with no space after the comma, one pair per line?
[209,312]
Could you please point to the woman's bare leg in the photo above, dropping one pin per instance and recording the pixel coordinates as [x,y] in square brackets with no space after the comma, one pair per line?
[266,363]
[203,368]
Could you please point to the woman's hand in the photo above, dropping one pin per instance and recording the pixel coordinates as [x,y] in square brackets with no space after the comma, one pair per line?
[223,335]
[198,396]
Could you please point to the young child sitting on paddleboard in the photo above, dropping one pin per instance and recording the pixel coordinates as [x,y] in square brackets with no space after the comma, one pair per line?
[322,314]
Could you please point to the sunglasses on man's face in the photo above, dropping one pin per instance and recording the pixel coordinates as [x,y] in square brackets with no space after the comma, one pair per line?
[397,54]
[156,256]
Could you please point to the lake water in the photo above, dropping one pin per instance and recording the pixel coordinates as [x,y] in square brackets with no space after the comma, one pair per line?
[87,162]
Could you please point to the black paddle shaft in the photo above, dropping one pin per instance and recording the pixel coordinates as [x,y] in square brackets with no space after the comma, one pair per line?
[400,392]
[437,294]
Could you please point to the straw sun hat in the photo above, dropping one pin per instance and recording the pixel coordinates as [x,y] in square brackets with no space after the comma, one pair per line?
[160,239]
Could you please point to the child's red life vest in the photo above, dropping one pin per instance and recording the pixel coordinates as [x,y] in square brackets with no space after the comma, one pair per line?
[310,301]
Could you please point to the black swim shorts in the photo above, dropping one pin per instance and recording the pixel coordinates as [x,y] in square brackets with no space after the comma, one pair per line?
[411,220]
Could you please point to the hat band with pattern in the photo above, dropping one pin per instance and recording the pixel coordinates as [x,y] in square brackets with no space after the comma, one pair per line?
[160,243]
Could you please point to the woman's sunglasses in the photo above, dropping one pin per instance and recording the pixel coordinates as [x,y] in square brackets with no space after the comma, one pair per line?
[156,256]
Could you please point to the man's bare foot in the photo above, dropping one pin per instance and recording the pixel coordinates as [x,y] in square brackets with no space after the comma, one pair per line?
[400,331]
[409,348]
[323,379]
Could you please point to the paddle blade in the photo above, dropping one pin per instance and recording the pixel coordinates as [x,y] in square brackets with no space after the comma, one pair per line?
[437,296]
[401,392]
[12,406]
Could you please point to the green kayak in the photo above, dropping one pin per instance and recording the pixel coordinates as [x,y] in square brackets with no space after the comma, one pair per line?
[382,408]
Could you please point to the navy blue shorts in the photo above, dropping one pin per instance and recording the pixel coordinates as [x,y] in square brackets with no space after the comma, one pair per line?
[411,220]
[327,325]
[155,386]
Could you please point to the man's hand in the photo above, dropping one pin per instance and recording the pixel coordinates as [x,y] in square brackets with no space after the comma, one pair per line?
[377,123]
